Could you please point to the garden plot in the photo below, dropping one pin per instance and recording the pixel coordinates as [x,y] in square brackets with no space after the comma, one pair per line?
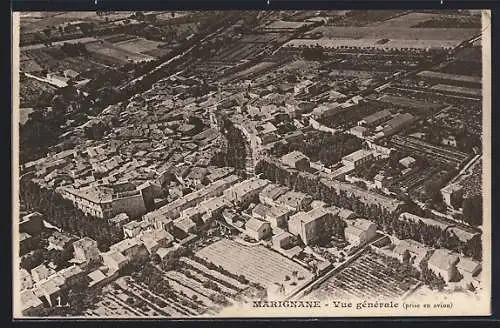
[257,263]
[369,276]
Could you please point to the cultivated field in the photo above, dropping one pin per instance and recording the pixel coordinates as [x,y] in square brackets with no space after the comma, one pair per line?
[397,33]
[369,276]
[35,21]
[457,89]
[30,66]
[249,72]
[54,59]
[138,45]
[114,38]
[193,288]
[257,263]
[118,54]
[130,298]
[415,105]
[408,20]
[158,52]
[472,183]
[285,25]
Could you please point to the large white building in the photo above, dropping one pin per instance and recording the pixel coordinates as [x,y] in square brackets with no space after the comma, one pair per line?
[358,158]
[443,262]
[360,231]
[107,201]
[310,225]
[245,191]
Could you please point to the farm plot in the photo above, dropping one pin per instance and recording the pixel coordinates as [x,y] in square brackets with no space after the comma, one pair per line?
[257,263]
[369,276]
[397,33]
[117,54]
[239,51]
[214,274]
[285,25]
[408,20]
[114,38]
[170,306]
[54,59]
[474,180]
[117,304]
[139,45]
[159,52]
[30,66]
[264,38]
[131,298]
[416,106]
[251,71]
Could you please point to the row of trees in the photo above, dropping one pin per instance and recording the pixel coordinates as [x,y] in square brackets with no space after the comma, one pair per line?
[63,214]
[154,279]
[472,209]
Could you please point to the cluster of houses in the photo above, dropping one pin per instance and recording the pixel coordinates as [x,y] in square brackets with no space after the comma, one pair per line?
[454,268]
[45,287]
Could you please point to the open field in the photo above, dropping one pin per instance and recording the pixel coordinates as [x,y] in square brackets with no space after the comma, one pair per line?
[118,54]
[158,52]
[456,89]
[369,276]
[415,105]
[407,20]
[114,38]
[256,263]
[35,21]
[55,60]
[397,33]
[285,25]
[138,45]
[59,43]
[363,17]
[30,66]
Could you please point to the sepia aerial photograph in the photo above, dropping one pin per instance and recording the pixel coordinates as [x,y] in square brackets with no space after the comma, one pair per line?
[190,164]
